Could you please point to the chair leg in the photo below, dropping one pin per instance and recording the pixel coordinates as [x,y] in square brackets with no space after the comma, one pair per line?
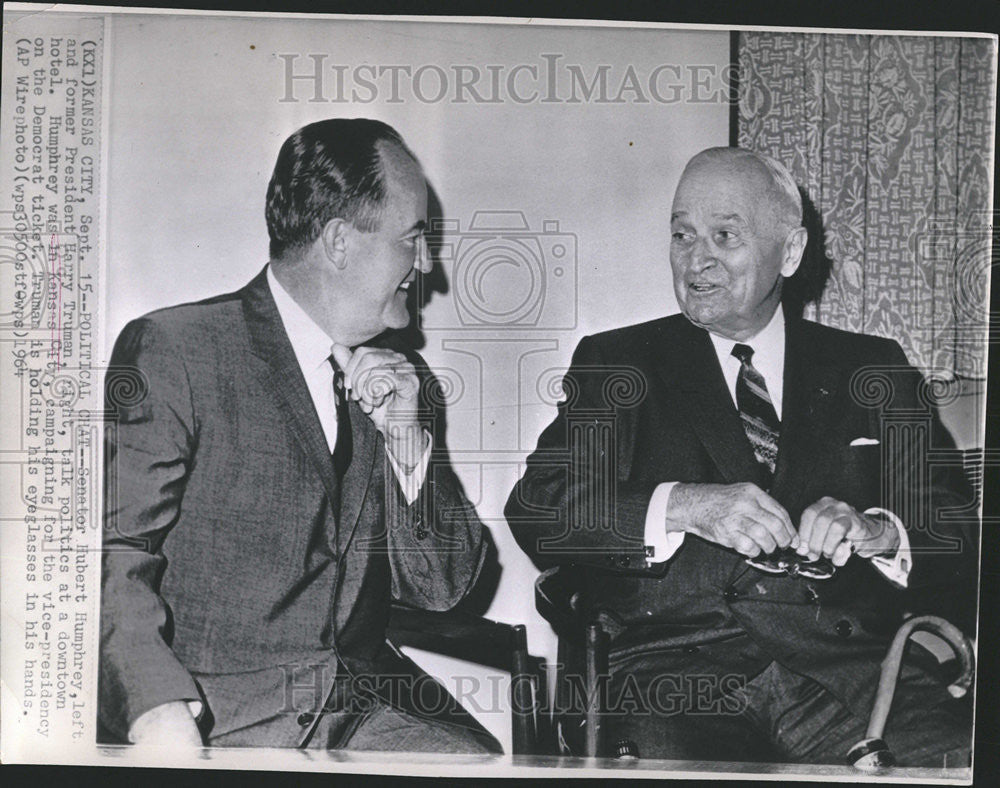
[522,697]
[545,737]
[596,656]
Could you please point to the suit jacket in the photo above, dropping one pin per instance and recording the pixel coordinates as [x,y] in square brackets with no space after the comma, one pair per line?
[227,575]
[648,404]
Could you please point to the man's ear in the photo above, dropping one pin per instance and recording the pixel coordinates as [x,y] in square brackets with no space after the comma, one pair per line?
[334,242]
[794,248]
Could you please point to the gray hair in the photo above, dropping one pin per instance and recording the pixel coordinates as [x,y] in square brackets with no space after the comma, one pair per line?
[781,179]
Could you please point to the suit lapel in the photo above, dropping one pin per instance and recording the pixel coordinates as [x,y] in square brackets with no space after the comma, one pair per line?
[809,406]
[358,477]
[688,363]
[280,369]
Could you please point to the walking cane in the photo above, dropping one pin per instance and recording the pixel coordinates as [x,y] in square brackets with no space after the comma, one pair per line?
[872,752]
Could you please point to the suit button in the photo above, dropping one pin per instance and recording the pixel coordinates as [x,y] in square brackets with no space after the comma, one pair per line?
[730,594]
[690,649]
[624,560]
[421,533]
[305,718]
[844,628]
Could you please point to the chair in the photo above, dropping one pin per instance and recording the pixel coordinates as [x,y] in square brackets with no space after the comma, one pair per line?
[583,633]
[475,639]
[462,635]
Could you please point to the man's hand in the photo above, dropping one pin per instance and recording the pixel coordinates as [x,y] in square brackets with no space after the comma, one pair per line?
[168,724]
[740,516]
[835,529]
[387,388]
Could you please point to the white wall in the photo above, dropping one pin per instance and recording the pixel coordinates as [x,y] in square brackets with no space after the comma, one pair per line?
[197,121]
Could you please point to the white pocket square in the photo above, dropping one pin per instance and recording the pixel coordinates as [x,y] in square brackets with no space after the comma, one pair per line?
[864,442]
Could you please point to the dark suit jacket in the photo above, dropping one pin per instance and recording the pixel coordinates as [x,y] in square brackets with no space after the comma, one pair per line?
[648,404]
[227,576]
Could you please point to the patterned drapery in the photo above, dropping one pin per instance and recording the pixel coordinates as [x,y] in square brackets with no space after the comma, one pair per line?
[890,136]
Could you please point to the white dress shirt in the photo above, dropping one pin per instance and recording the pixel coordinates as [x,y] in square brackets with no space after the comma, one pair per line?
[312,349]
[769,360]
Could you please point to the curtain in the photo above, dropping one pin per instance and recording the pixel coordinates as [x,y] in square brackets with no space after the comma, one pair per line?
[890,136]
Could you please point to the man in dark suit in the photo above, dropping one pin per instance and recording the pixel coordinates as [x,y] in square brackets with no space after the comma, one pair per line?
[736,431]
[275,480]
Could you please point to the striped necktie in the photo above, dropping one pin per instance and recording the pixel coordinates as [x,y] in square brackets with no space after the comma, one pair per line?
[760,421]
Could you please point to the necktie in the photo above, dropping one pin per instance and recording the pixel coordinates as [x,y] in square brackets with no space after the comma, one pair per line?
[760,421]
[343,446]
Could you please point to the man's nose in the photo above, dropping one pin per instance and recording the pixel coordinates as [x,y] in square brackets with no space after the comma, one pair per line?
[702,255]
[422,260]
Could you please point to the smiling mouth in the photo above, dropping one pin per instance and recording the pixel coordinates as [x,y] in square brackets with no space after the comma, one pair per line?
[702,287]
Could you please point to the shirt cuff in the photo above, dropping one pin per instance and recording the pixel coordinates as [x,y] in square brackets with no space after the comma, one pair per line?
[196,707]
[410,483]
[660,545]
[896,569]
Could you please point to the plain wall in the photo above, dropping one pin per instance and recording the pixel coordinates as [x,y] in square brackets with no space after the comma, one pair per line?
[195,125]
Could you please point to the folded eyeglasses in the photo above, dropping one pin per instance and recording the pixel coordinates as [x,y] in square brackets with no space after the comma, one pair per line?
[790,563]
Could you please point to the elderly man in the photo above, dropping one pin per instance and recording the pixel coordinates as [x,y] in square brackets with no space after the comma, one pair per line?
[277,481]
[761,534]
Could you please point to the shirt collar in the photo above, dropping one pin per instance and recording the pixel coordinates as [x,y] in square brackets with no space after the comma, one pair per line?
[769,341]
[310,343]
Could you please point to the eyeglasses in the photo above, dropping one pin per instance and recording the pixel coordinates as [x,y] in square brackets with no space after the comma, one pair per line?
[788,562]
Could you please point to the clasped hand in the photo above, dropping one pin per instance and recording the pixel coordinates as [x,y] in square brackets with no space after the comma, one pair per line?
[386,387]
[748,520]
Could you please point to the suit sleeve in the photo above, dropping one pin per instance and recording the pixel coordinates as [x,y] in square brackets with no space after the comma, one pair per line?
[927,489]
[437,544]
[149,449]
[576,502]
